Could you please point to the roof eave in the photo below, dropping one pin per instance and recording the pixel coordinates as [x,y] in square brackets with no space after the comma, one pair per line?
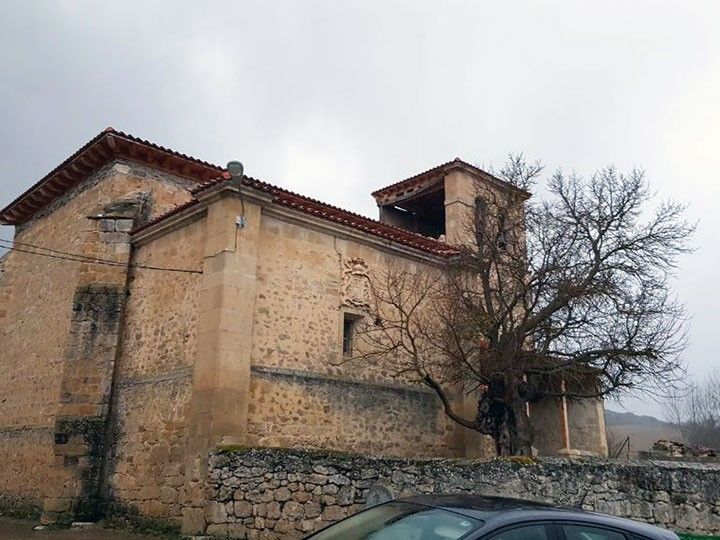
[105,147]
[111,144]
[444,169]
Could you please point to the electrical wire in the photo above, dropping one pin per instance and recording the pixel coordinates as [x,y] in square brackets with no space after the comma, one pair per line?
[65,253]
[73,257]
[76,257]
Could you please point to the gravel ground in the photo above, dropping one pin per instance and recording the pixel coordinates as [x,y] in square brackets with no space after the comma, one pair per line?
[15,529]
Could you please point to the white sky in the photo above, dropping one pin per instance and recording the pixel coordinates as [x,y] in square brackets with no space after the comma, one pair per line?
[335,99]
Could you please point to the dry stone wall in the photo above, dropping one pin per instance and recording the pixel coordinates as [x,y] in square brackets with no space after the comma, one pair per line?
[272,493]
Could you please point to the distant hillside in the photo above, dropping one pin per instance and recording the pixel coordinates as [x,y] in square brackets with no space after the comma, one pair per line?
[642,430]
[614,418]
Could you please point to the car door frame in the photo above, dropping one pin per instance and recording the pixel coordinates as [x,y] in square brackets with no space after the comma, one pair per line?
[553,531]
[560,533]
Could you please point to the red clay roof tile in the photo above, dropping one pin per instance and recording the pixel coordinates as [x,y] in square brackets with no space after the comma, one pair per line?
[112,144]
[322,210]
[441,169]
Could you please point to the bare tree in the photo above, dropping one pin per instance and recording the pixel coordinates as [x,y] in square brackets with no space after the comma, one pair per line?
[618,446]
[697,412]
[565,296]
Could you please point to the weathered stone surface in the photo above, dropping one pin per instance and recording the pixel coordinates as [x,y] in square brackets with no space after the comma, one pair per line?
[282,494]
[37,326]
[153,446]
[679,496]
[244,509]
[346,495]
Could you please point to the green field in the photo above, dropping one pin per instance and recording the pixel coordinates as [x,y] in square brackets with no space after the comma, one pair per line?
[697,537]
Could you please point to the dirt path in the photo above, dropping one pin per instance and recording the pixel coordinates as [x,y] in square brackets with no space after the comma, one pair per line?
[15,529]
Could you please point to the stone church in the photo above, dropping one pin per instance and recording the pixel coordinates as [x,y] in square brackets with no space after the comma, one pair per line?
[153,308]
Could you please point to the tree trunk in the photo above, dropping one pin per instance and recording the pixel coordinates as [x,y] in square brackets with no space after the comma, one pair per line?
[523,435]
[502,414]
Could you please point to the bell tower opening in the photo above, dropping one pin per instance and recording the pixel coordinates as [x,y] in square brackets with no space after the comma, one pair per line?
[417,206]
[422,213]
[441,202]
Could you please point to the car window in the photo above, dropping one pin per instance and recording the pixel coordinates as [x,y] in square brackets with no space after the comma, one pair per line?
[588,532]
[527,532]
[401,521]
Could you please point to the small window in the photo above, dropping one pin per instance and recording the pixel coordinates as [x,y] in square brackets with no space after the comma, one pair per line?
[349,323]
[588,532]
[502,235]
[527,532]
[480,220]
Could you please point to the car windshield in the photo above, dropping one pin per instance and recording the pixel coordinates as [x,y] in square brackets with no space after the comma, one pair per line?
[401,521]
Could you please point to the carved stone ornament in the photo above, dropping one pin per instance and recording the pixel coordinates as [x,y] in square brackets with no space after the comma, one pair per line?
[355,283]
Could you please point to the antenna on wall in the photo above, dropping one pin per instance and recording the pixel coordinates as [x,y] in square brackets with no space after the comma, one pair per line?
[237,173]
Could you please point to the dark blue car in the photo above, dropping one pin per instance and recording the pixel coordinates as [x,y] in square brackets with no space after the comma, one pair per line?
[456,517]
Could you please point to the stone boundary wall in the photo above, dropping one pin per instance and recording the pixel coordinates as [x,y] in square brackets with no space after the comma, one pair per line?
[275,493]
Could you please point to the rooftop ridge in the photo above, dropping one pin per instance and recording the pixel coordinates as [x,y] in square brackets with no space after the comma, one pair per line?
[54,171]
[146,142]
[105,147]
[99,150]
[436,168]
[291,193]
[309,205]
[442,168]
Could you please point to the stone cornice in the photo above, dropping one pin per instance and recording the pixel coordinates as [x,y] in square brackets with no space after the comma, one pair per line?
[198,209]
[326,378]
[349,233]
[170,224]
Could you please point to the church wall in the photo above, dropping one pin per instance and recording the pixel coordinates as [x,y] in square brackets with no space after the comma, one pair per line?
[586,420]
[546,419]
[290,410]
[301,392]
[36,303]
[145,466]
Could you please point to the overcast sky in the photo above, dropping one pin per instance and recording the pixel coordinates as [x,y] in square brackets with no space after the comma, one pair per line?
[335,99]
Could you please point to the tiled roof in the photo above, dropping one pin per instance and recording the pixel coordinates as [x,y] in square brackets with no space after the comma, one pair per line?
[407,185]
[106,146]
[325,211]
[111,144]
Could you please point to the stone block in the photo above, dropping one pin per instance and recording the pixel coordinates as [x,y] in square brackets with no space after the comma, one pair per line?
[243,509]
[217,530]
[217,512]
[333,513]
[292,510]
[123,225]
[107,225]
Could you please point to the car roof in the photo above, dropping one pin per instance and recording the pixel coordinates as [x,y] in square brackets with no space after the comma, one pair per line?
[498,512]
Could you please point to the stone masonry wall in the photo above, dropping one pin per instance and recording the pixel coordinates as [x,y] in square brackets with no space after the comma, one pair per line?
[153,380]
[293,409]
[36,299]
[303,392]
[271,493]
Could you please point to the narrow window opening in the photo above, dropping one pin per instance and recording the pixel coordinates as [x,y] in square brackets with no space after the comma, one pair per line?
[349,323]
[480,220]
[502,235]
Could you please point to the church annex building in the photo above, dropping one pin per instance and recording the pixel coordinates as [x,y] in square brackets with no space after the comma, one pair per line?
[141,327]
